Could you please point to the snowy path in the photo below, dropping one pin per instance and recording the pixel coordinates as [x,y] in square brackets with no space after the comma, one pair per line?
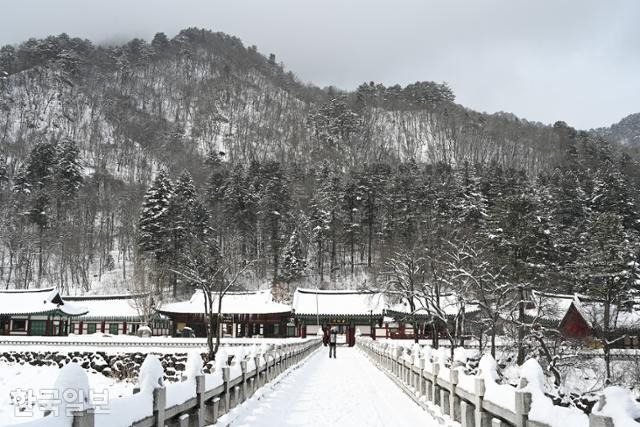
[347,391]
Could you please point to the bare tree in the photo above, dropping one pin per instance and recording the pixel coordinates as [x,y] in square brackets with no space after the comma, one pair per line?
[143,302]
[202,266]
[469,273]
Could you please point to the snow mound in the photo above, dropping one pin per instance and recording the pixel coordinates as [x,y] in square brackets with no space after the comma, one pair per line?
[221,360]
[460,355]
[151,374]
[620,406]
[488,368]
[194,365]
[542,408]
[500,394]
[441,355]
[73,387]
[427,352]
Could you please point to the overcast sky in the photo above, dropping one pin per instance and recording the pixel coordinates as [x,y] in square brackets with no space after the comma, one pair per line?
[544,60]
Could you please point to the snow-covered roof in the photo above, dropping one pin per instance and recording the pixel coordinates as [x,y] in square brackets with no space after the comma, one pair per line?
[36,301]
[593,312]
[338,302]
[449,303]
[108,306]
[555,307]
[258,302]
[549,306]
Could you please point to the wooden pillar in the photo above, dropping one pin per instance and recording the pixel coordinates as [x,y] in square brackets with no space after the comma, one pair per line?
[454,400]
[434,384]
[225,378]
[466,414]
[523,405]
[159,404]
[481,418]
[200,409]
[243,367]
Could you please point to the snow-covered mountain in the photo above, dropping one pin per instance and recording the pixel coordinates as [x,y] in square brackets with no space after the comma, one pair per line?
[137,106]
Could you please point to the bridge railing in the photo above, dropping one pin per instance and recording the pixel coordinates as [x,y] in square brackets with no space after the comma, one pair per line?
[449,395]
[239,381]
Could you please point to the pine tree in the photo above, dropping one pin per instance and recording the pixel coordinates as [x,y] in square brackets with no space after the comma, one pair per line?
[155,223]
[68,174]
[39,178]
[240,206]
[4,173]
[371,191]
[351,213]
[275,205]
[470,203]
[521,243]
[294,264]
[608,270]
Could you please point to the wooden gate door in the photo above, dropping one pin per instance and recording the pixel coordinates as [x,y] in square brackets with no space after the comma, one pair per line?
[351,336]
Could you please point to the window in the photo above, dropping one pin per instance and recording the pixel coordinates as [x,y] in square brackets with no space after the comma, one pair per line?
[38,328]
[113,328]
[91,328]
[19,325]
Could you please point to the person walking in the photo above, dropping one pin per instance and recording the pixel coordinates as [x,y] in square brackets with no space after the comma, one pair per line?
[333,339]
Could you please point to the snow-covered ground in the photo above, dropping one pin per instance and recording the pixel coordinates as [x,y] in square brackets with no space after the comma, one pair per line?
[20,382]
[347,391]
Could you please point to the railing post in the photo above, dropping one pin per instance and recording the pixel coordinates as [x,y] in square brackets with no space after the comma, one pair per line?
[215,409]
[523,405]
[236,396]
[482,419]
[256,360]
[226,373]
[454,400]
[252,386]
[86,418]
[243,368]
[200,388]
[466,414]
[159,404]
[444,402]
[434,383]
[422,382]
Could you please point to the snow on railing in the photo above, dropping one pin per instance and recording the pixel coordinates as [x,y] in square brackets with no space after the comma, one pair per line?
[200,399]
[455,398]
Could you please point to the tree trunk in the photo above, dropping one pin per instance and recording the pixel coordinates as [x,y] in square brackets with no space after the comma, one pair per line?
[521,331]
[493,340]
[606,347]
[217,347]
[370,234]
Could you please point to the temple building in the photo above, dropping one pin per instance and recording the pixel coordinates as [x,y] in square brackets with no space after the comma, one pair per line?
[117,315]
[244,314]
[37,312]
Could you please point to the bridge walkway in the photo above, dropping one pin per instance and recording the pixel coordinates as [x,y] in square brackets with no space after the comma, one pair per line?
[346,391]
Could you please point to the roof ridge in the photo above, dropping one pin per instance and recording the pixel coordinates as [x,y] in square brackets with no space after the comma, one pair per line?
[103,297]
[25,291]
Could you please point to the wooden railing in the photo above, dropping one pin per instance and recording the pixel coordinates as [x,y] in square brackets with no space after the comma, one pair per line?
[208,405]
[446,401]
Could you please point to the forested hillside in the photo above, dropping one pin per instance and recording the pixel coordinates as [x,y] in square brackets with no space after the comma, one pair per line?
[302,183]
